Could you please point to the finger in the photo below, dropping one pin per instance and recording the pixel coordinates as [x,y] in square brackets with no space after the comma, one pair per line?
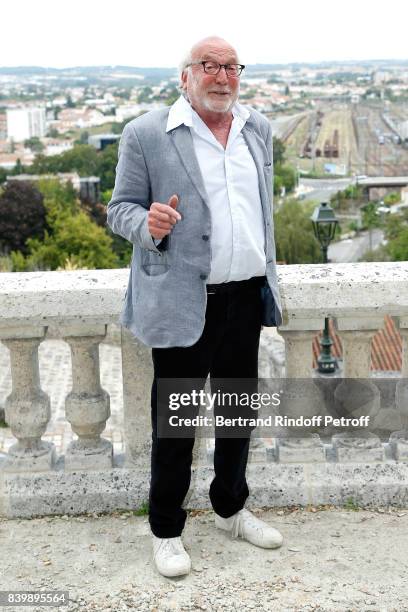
[165,208]
[173,201]
[158,233]
[163,217]
[162,225]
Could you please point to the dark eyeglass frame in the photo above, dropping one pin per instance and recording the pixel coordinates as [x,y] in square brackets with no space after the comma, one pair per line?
[226,66]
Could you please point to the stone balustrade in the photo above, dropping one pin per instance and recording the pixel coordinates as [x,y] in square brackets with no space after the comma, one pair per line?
[320,466]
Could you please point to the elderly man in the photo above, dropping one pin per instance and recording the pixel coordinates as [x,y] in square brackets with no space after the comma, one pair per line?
[193,194]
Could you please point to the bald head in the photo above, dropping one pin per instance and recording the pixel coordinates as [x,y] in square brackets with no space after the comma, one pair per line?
[206,46]
[209,45]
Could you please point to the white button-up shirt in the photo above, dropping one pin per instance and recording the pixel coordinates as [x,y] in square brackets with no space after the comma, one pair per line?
[231,182]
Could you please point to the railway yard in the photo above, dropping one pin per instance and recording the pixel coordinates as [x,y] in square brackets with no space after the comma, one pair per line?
[346,139]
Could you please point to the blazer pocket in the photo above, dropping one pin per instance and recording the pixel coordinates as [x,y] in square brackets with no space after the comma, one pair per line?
[154,264]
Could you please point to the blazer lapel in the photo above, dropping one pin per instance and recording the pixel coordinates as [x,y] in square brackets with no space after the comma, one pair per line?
[182,140]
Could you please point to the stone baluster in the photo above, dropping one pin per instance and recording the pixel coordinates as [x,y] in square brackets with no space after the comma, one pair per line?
[137,375]
[356,396]
[27,408]
[87,405]
[399,439]
[301,400]
[271,367]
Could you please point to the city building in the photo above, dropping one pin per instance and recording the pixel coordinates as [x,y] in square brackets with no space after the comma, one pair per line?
[55,146]
[24,123]
[100,141]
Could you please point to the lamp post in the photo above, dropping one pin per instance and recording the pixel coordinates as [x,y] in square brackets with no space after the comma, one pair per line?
[324,227]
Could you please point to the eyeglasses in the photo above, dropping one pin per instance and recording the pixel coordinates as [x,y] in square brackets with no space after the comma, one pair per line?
[232,70]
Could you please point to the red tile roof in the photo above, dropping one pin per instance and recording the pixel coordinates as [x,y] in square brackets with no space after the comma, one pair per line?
[386,347]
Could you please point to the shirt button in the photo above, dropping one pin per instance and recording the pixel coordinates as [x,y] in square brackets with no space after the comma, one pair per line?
[203,276]
[205,237]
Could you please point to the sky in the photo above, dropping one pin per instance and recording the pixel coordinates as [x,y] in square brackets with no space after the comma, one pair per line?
[159,32]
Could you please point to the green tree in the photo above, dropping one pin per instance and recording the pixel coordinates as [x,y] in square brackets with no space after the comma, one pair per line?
[172,96]
[22,215]
[59,199]
[72,236]
[18,168]
[349,198]
[34,144]
[395,224]
[398,247]
[53,133]
[295,241]
[284,176]
[370,220]
[108,159]
[83,138]
[144,94]
[76,239]
[81,158]
[70,103]
[278,151]
[396,233]
[370,216]
[392,198]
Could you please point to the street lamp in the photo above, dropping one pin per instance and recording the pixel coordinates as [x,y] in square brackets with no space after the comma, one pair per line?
[324,227]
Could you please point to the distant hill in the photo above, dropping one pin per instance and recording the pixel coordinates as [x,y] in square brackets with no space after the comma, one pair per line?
[128,76]
[169,72]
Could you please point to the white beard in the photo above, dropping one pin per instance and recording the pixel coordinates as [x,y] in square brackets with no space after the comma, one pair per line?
[218,106]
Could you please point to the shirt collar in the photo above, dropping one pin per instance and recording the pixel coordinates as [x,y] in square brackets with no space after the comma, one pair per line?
[181,112]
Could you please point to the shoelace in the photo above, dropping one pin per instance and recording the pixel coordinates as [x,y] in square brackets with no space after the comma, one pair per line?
[242,517]
[169,546]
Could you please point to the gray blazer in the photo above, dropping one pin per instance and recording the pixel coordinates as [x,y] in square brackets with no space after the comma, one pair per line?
[166,297]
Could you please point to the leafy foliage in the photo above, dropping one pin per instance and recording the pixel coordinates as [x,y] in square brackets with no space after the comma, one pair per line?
[370,216]
[278,151]
[284,176]
[71,236]
[22,215]
[34,144]
[295,241]
[346,200]
[83,159]
[398,247]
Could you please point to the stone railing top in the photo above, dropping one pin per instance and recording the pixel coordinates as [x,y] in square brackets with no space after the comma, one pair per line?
[308,292]
[42,298]
[344,290]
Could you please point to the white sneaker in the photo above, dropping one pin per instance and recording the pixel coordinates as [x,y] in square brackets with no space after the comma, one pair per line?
[170,557]
[250,528]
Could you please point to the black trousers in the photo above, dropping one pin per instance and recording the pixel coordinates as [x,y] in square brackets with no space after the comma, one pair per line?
[227,348]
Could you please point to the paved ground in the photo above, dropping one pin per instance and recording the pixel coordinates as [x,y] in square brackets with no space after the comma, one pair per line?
[353,249]
[331,560]
[321,190]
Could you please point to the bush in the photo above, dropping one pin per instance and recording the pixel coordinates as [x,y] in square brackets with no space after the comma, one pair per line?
[295,240]
[22,215]
[71,236]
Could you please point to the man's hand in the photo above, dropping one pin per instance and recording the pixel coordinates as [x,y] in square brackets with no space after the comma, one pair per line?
[161,218]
